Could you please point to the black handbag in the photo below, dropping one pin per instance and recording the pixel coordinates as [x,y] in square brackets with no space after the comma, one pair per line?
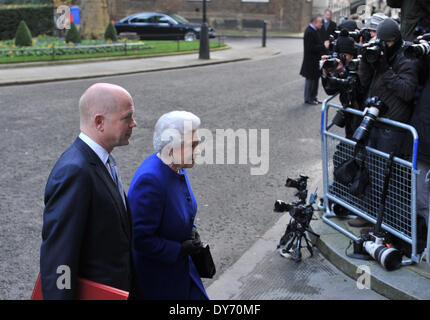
[204,262]
[353,173]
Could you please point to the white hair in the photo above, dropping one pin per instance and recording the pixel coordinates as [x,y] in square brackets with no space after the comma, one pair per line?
[172,127]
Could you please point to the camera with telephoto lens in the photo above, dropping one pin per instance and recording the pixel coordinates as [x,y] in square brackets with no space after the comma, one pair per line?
[372,52]
[331,63]
[371,246]
[418,50]
[373,108]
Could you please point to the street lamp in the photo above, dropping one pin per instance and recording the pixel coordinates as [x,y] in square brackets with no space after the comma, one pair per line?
[204,36]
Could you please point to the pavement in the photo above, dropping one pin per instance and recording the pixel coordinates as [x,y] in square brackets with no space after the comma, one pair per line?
[28,73]
[261,272]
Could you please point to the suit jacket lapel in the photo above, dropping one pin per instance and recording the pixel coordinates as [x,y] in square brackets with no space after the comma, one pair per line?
[105,176]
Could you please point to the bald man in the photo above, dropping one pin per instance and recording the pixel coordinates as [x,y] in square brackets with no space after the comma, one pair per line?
[87,231]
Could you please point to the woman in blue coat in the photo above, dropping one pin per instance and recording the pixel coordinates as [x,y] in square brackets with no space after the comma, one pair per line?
[164,209]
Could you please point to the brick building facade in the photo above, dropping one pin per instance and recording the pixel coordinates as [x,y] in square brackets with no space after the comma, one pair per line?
[286,15]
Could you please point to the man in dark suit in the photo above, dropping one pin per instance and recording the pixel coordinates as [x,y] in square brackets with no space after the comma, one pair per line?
[87,230]
[314,48]
[328,28]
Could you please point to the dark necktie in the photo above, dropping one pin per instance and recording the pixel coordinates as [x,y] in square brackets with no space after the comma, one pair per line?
[116,177]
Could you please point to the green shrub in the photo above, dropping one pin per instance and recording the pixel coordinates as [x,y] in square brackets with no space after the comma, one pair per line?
[39,19]
[110,33]
[73,34]
[23,35]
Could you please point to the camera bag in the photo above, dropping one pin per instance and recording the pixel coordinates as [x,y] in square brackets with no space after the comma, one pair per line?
[353,172]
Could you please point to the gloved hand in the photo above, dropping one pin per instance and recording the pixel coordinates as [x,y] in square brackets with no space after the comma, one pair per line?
[189,247]
[194,234]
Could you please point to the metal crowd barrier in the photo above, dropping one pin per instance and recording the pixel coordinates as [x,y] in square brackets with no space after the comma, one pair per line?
[427,254]
[400,217]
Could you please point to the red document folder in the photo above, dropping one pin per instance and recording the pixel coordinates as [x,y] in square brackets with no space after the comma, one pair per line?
[87,290]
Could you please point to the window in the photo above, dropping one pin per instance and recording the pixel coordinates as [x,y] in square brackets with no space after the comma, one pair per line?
[143,19]
[164,19]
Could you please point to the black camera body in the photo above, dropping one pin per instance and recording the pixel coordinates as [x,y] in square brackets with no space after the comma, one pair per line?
[331,63]
[299,211]
[356,35]
[372,53]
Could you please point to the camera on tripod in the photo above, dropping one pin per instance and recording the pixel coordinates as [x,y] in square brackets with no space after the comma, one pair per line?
[301,216]
[374,107]
[297,209]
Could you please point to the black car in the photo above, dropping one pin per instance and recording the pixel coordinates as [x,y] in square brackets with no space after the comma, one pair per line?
[158,26]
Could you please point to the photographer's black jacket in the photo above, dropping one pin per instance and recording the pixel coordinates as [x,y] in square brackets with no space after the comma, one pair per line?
[421,121]
[395,86]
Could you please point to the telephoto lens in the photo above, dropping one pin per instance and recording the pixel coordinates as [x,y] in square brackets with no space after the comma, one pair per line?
[417,50]
[339,119]
[374,107]
[363,131]
[389,258]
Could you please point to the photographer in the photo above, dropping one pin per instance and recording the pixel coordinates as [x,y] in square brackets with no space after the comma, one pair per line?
[393,78]
[339,76]
[373,23]
[421,121]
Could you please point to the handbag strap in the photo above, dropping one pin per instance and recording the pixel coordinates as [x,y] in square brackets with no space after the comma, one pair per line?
[360,154]
[387,174]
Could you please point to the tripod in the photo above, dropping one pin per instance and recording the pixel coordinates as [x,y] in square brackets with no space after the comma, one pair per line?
[291,242]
